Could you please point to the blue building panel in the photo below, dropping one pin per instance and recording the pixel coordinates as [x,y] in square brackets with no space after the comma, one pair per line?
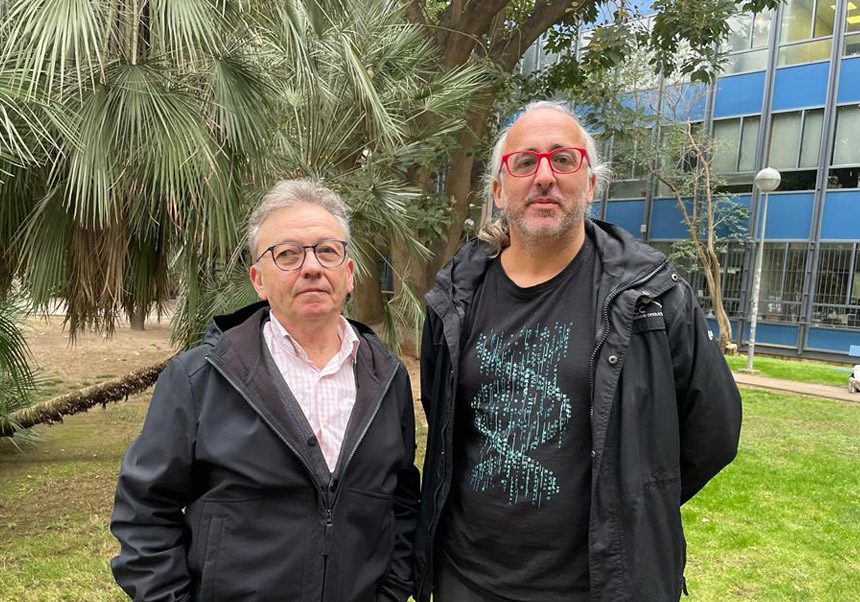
[782,335]
[789,216]
[715,328]
[627,214]
[595,209]
[739,95]
[828,339]
[800,86]
[686,102]
[841,218]
[849,81]
[666,220]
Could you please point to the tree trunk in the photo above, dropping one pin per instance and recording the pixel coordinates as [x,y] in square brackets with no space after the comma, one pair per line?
[714,280]
[366,303]
[53,410]
[459,185]
[137,318]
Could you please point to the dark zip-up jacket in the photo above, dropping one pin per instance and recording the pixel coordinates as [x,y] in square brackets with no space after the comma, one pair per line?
[219,498]
[665,413]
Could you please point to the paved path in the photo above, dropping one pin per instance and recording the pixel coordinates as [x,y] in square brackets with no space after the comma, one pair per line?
[756,381]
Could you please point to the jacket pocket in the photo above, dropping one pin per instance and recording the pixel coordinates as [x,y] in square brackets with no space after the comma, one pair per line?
[211,554]
[365,541]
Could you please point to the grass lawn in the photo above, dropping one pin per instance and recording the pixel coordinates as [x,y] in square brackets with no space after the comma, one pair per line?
[782,523]
[790,369]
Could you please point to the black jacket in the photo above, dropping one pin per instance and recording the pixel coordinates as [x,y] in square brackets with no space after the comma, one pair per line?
[219,497]
[666,413]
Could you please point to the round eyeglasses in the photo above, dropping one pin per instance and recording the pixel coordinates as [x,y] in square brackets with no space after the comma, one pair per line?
[290,256]
[524,163]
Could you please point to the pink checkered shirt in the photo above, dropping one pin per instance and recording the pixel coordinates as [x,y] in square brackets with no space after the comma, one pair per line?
[326,396]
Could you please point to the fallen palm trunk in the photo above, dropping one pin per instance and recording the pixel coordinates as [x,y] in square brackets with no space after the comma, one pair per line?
[53,410]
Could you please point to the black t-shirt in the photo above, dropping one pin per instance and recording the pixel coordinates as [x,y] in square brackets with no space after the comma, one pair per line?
[515,526]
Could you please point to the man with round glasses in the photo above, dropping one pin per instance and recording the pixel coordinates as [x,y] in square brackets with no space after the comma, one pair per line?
[574,396]
[276,460]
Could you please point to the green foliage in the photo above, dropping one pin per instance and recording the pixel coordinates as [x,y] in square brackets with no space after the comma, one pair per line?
[17,382]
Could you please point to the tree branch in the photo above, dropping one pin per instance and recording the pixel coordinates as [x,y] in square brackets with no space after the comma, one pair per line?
[53,410]
[545,14]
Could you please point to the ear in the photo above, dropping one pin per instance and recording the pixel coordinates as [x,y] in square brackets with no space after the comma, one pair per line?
[592,182]
[256,276]
[350,275]
[497,193]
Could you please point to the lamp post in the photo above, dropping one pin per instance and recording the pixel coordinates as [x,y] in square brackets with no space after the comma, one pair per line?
[766,181]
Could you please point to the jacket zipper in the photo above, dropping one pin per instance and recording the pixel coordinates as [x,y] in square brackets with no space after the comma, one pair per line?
[612,294]
[327,503]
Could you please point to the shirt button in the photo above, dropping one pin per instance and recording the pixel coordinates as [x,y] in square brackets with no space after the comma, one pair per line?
[593,454]
[612,359]
[312,442]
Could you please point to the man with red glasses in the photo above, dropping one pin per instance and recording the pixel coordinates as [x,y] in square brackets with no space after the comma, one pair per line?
[574,395]
[276,461]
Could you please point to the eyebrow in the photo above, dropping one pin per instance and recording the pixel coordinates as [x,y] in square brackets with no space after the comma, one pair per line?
[552,148]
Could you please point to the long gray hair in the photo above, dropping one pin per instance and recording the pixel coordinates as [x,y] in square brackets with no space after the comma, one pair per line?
[496,231]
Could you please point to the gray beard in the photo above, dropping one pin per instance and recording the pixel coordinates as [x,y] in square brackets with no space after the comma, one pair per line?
[568,222]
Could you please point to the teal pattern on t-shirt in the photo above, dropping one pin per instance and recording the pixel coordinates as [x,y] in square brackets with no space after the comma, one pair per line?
[521,409]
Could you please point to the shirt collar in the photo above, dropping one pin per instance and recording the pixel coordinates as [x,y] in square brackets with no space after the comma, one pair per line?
[349,341]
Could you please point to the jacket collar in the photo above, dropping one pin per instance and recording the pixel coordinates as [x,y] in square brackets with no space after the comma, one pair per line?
[622,259]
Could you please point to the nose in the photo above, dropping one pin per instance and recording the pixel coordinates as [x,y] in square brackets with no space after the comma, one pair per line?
[311,267]
[544,176]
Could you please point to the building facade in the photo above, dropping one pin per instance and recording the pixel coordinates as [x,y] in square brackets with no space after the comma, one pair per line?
[788,98]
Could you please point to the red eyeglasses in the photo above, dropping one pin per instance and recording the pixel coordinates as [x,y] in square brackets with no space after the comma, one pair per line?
[524,163]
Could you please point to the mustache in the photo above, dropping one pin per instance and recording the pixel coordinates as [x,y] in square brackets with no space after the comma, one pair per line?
[543,198]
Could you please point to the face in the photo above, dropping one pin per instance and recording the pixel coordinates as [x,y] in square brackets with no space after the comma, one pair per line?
[546,205]
[312,293]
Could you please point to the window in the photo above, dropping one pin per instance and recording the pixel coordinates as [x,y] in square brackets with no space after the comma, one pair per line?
[735,144]
[629,178]
[852,29]
[731,267]
[836,300]
[747,43]
[846,142]
[795,140]
[782,273]
[806,31]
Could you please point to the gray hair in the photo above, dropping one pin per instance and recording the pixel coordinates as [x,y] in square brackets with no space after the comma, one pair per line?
[496,231]
[287,193]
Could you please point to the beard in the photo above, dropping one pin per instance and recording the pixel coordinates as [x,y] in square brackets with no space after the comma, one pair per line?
[569,214]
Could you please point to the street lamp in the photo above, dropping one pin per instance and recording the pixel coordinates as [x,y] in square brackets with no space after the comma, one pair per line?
[766,181]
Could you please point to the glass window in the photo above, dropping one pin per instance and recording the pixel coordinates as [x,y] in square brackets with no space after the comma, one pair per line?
[825,12]
[852,17]
[751,60]
[852,44]
[739,32]
[782,276]
[795,139]
[726,149]
[837,287]
[761,29]
[797,20]
[746,159]
[808,52]
[784,140]
[846,142]
[811,142]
